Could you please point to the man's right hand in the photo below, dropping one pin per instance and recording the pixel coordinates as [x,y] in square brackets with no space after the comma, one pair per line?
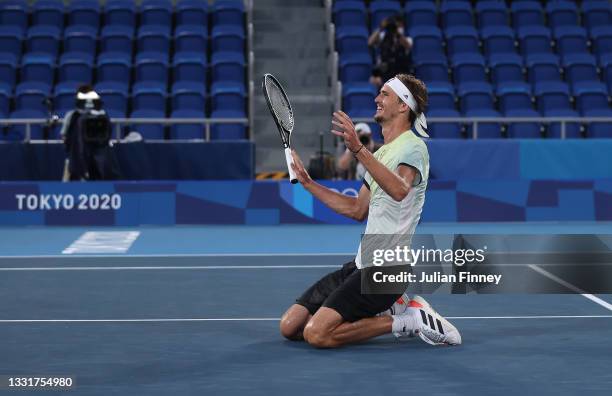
[300,171]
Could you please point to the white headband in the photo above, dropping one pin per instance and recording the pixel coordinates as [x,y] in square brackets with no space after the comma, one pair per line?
[406,96]
[91,95]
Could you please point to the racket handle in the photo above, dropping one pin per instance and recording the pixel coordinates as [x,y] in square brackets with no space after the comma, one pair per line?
[289,159]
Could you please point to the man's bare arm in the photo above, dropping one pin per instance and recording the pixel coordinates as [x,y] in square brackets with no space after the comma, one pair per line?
[397,184]
[354,208]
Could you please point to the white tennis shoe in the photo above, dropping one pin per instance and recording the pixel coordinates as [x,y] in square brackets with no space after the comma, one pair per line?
[434,329]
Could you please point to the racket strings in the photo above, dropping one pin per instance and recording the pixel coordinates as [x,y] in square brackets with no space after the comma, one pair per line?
[280,105]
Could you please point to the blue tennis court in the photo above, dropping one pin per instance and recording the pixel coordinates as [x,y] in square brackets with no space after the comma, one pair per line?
[195,310]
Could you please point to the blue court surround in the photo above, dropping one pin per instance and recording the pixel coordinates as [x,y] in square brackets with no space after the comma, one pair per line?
[188,276]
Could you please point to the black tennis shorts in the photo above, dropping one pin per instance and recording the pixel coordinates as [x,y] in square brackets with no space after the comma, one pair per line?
[341,291]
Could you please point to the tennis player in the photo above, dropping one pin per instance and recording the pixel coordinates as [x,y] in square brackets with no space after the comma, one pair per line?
[333,311]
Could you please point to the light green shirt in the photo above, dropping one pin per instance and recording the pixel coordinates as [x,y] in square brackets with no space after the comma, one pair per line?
[387,216]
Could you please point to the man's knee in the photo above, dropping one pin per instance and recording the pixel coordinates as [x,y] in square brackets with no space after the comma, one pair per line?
[318,336]
[293,321]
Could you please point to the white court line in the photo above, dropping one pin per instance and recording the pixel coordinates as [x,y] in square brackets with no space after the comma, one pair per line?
[573,288]
[193,267]
[46,256]
[162,320]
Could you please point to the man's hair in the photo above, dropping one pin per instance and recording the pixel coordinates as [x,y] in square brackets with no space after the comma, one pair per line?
[418,90]
[85,88]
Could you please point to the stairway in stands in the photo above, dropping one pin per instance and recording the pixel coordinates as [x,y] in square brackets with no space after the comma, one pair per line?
[300,62]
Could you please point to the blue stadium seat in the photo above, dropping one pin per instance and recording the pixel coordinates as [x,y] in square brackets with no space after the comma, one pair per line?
[427,41]
[43,39]
[188,95]
[80,38]
[30,96]
[5,98]
[8,72]
[590,95]
[456,13]
[468,67]
[349,13]
[606,69]
[190,38]
[492,14]
[14,13]
[543,67]
[382,9]
[506,68]
[149,131]
[421,13]
[599,129]
[228,12]
[441,95]
[37,67]
[64,97]
[187,131]
[486,130]
[462,39]
[552,96]
[444,130]
[553,100]
[571,40]
[592,101]
[526,13]
[11,38]
[48,12]
[116,38]
[562,13]
[580,67]
[192,12]
[77,67]
[352,39]
[156,12]
[149,95]
[534,40]
[358,97]
[114,95]
[432,69]
[84,12]
[227,131]
[602,40]
[152,66]
[153,38]
[596,13]
[515,101]
[498,40]
[18,132]
[228,96]
[228,38]
[120,12]
[114,67]
[189,66]
[228,66]
[355,68]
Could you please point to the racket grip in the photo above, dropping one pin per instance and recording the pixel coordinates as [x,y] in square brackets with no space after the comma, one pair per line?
[289,159]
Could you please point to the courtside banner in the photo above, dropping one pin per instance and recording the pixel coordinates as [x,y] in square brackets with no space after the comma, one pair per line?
[127,203]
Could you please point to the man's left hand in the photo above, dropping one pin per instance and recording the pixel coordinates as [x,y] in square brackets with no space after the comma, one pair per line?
[346,130]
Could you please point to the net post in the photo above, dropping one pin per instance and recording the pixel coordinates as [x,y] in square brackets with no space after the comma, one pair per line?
[207,130]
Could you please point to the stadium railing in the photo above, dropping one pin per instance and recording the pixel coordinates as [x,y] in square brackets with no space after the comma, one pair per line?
[506,120]
[118,123]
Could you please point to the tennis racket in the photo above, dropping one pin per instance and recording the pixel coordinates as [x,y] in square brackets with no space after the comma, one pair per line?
[281,111]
